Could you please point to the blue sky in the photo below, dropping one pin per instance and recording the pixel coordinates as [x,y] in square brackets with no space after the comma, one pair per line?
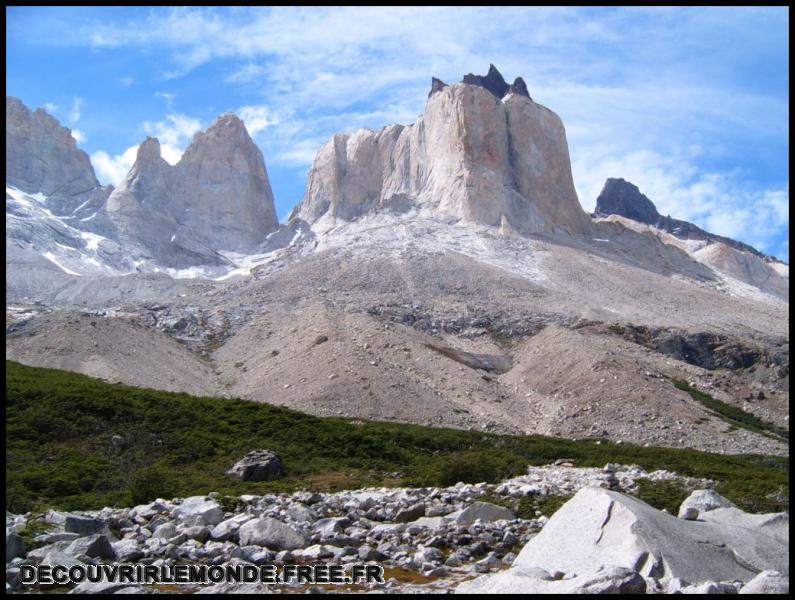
[690,104]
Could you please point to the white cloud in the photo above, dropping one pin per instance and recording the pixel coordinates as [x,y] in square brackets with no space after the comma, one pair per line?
[127,81]
[74,113]
[257,118]
[51,108]
[169,98]
[112,169]
[174,134]
[79,136]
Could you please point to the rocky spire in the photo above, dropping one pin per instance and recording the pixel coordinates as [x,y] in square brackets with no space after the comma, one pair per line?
[218,197]
[493,81]
[620,197]
[436,85]
[519,87]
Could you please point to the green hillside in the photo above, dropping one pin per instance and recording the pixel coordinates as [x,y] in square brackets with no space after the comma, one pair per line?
[59,452]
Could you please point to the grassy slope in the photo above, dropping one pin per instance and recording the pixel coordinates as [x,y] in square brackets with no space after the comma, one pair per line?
[59,425]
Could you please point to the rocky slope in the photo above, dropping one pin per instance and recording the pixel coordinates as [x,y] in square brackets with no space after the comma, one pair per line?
[622,202]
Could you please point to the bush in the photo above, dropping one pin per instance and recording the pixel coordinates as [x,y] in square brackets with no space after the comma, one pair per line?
[476,466]
[149,483]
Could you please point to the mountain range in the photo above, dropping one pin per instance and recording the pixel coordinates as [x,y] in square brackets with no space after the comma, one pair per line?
[442,272]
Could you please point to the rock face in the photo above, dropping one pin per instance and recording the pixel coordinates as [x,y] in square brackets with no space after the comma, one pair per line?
[217,197]
[476,154]
[42,157]
[598,529]
[259,465]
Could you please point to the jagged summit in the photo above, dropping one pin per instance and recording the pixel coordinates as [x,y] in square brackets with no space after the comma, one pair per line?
[42,157]
[217,197]
[493,81]
[149,150]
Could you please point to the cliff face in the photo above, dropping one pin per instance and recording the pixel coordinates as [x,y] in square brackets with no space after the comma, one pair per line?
[42,157]
[472,156]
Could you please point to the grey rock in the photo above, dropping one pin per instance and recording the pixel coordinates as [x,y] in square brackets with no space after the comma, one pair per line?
[775,525]
[704,501]
[485,512]
[93,546]
[331,526]
[767,582]
[15,546]
[301,513]
[258,465]
[127,550]
[165,531]
[622,531]
[272,534]
[410,514]
[105,587]
[198,510]
[198,532]
[85,525]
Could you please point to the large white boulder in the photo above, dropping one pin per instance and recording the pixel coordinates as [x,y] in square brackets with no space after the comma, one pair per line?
[599,528]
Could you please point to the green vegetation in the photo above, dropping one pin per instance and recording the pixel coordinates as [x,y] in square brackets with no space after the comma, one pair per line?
[663,494]
[526,507]
[60,453]
[736,417]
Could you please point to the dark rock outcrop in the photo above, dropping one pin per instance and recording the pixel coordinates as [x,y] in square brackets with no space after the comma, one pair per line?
[436,85]
[519,87]
[493,81]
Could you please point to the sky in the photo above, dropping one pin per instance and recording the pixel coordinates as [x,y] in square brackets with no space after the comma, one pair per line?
[689,104]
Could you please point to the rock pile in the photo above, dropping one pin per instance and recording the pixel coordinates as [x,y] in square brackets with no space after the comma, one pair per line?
[427,538]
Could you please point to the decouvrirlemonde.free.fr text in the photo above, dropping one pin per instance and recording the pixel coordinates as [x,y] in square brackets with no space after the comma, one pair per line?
[200,574]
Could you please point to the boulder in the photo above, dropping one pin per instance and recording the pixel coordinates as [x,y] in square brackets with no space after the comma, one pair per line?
[93,546]
[621,531]
[199,510]
[270,533]
[773,524]
[83,525]
[331,526]
[127,550]
[259,465]
[704,501]
[15,546]
[606,580]
[485,512]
